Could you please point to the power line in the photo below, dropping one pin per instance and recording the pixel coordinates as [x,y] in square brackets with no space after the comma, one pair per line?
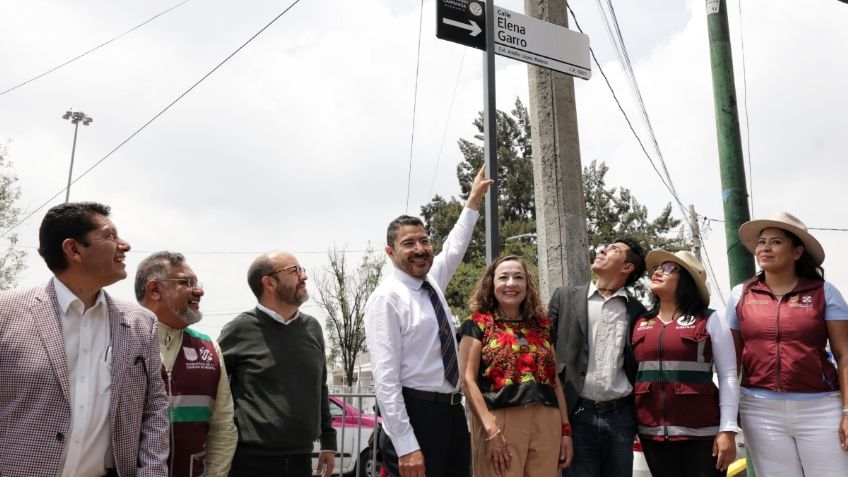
[414,105]
[745,103]
[160,113]
[827,229]
[447,123]
[93,49]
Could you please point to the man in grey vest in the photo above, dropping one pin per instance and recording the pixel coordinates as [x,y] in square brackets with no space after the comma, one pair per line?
[596,362]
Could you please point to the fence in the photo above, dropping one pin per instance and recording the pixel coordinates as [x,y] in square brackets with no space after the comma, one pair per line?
[355,423]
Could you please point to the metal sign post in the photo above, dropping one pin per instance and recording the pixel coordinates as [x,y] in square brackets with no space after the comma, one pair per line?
[490,135]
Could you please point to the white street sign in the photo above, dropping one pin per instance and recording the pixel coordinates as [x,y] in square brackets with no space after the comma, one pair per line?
[540,43]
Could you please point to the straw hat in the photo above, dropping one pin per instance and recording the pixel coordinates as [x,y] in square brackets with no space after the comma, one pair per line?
[689,262]
[749,233]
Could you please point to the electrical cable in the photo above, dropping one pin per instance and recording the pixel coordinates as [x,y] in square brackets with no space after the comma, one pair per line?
[414,105]
[94,49]
[160,113]
[447,123]
[745,103]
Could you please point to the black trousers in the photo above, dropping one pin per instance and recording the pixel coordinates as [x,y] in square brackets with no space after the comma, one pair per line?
[442,433]
[681,458]
[289,465]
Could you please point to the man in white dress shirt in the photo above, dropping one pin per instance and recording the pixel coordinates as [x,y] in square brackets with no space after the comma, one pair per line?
[412,345]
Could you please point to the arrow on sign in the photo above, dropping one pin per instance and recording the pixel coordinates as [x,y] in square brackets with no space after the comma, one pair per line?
[471,26]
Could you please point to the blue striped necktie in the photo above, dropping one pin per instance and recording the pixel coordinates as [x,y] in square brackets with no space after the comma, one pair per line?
[445,337]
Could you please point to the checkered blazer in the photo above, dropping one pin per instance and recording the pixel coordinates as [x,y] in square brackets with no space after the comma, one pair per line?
[35,412]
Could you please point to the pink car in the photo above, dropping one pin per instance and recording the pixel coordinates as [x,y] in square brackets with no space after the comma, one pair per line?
[353,434]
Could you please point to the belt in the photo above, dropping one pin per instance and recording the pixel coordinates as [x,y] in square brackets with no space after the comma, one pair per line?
[452,399]
[603,406]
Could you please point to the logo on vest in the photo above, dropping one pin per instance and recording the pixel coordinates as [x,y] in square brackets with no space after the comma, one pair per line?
[205,354]
[647,324]
[190,353]
[805,301]
[686,321]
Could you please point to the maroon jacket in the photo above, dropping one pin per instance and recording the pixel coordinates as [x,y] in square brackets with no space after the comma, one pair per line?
[675,395]
[785,339]
[192,387]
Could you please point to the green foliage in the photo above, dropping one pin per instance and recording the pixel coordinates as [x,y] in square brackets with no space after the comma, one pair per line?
[342,294]
[11,259]
[611,212]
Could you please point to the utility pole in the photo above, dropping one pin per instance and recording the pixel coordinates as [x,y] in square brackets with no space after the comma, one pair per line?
[75,118]
[734,192]
[696,232]
[563,245]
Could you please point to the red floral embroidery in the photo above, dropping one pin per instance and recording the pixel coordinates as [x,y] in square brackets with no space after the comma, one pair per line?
[496,376]
[526,363]
[516,352]
[536,339]
[506,339]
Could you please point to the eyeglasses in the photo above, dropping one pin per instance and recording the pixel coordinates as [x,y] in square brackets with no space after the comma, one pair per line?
[290,269]
[665,269]
[191,282]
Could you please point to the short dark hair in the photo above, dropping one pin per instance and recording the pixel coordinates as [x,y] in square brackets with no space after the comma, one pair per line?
[260,267]
[66,221]
[636,256]
[391,233]
[153,267]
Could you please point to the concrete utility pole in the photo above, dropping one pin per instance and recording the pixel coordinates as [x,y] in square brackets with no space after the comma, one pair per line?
[490,132]
[734,192]
[563,245]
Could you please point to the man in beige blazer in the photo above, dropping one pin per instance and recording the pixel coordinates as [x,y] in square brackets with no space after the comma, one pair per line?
[81,391]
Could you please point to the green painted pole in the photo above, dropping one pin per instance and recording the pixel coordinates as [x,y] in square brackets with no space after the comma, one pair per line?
[734,192]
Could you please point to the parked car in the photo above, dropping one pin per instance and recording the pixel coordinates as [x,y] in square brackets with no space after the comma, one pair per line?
[353,432]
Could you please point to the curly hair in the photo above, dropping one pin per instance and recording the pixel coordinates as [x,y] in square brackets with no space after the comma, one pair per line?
[483,297]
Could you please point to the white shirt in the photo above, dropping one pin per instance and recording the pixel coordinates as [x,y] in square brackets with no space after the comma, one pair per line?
[724,357]
[402,335]
[608,321]
[276,316]
[88,352]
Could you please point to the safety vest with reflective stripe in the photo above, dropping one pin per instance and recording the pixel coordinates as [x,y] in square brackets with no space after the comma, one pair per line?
[192,388]
[675,395]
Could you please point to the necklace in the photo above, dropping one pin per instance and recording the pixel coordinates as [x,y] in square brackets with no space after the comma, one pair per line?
[673,316]
[500,317]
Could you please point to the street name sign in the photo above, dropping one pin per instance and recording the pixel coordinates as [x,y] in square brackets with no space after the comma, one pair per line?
[462,21]
[524,38]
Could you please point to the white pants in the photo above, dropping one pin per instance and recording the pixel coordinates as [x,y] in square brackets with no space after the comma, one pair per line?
[794,438]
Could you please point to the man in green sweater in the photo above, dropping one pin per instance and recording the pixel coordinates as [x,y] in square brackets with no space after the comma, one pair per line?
[275,357]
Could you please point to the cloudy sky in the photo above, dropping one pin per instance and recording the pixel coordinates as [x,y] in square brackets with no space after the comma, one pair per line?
[301,141]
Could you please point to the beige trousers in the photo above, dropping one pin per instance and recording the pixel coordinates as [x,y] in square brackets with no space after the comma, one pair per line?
[533,433]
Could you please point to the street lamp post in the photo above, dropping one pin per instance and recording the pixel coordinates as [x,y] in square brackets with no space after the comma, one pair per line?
[75,118]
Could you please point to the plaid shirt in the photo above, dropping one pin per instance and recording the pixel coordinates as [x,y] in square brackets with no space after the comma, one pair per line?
[35,410]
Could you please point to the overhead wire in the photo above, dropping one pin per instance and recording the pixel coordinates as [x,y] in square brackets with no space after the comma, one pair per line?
[160,113]
[745,104]
[447,123]
[414,105]
[668,185]
[93,49]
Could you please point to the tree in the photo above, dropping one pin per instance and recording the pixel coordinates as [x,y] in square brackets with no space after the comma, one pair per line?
[12,259]
[342,294]
[611,211]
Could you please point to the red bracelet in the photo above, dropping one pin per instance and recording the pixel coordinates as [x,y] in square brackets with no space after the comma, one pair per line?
[566,429]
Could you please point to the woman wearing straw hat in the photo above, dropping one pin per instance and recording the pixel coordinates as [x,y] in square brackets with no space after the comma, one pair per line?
[686,425]
[793,412]
[519,424]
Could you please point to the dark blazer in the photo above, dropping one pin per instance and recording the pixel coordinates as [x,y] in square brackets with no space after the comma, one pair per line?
[569,311]
[35,413]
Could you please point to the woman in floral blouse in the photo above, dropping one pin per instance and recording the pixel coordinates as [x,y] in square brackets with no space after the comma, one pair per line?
[508,368]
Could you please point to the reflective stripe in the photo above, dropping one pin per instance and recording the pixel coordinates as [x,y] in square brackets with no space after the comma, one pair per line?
[191,400]
[676,366]
[690,377]
[679,431]
[190,414]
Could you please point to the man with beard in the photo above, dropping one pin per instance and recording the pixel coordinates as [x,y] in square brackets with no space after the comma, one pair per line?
[412,344]
[278,373]
[596,362]
[203,435]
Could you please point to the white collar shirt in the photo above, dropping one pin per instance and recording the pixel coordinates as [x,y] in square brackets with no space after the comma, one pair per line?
[276,316]
[608,321]
[401,331]
[88,353]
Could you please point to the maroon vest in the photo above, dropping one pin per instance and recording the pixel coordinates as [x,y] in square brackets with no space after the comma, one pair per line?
[675,395]
[785,339]
[192,388]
